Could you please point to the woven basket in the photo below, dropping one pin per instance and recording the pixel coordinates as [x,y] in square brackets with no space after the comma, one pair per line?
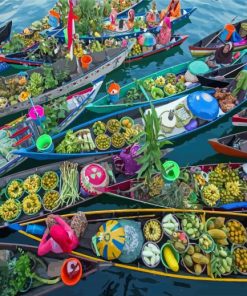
[243,30]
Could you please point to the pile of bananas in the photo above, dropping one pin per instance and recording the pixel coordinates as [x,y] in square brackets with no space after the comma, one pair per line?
[78,50]
[15,189]
[211,195]
[31,204]
[32,183]
[156,186]
[152,230]
[229,184]
[50,200]
[136,50]
[10,210]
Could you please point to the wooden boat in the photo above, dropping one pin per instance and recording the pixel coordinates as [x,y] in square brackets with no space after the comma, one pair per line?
[240,119]
[202,48]
[89,267]
[22,58]
[104,106]
[124,33]
[231,145]
[76,77]
[163,110]
[176,40]
[211,79]
[97,218]
[132,190]
[5,31]
[134,4]
[85,198]
[23,131]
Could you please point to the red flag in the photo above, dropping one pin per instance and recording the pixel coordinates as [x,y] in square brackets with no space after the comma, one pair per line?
[71,28]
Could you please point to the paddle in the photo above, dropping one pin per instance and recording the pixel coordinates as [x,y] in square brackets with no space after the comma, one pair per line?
[216,36]
[18,227]
[222,77]
[54,268]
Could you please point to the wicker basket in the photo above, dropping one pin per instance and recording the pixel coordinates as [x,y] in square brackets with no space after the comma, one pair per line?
[243,30]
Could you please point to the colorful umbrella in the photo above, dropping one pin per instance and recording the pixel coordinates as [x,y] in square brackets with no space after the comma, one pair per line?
[203,105]
[110,240]
[147,39]
[133,241]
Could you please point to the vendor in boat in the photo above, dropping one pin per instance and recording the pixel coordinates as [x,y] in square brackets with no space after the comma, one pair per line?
[131,19]
[238,87]
[223,56]
[165,33]
[60,237]
[173,10]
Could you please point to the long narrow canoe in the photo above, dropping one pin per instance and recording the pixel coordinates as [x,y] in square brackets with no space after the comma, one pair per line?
[89,267]
[97,218]
[190,126]
[79,77]
[204,47]
[104,106]
[23,59]
[176,40]
[135,4]
[23,131]
[240,119]
[85,198]
[129,188]
[5,31]
[124,34]
[232,145]
[211,80]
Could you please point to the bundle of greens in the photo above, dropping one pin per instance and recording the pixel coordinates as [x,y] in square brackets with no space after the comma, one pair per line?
[16,274]
[150,152]
[55,111]
[76,142]
[70,184]
[35,84]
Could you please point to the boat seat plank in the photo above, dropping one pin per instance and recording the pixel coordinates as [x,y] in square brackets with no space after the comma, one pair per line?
[90,231]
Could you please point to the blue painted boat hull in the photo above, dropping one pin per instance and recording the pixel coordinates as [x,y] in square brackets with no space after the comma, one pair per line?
[106,35]
[132,112]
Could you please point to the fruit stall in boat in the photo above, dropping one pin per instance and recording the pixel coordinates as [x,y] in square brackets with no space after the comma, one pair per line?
[93,26]
[49,50]
[231,32]
[50,117]
[193,245]
[54,188]
[51,81]
[165,85]
[233,145]
[110,133]
[42,276]
[219,186]
[240,119]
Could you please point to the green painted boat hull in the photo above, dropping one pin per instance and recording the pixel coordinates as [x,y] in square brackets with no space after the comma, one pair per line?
[102,105]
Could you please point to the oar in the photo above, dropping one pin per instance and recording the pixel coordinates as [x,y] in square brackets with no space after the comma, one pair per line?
[221,77]
[18,227]
[216,36]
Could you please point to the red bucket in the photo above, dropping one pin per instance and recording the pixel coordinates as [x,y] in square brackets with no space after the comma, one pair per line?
[65,275]
[86,60]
